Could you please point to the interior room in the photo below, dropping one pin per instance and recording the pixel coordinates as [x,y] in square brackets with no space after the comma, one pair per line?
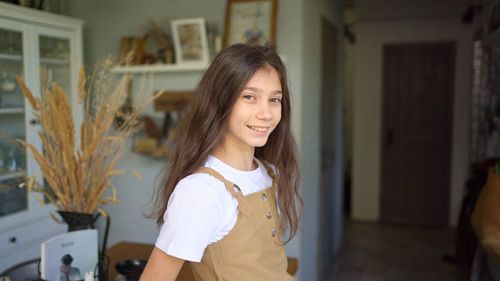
[388,184]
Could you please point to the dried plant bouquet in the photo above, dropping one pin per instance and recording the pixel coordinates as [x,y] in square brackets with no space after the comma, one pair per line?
[79,172]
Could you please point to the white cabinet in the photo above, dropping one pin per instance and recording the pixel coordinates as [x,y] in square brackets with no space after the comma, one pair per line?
[32,42]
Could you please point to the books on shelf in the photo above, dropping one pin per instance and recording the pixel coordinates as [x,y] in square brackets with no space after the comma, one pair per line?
[69,256]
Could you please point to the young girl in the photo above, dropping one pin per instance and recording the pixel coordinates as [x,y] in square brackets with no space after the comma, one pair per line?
[232,186]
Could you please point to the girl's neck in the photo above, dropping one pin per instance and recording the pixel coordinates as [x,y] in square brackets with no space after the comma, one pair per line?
[240,159]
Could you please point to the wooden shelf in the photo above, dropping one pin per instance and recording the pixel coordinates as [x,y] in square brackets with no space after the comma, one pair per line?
[11,110]
[155,68]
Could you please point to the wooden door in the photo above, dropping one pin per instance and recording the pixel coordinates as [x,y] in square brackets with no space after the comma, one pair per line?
[416,133]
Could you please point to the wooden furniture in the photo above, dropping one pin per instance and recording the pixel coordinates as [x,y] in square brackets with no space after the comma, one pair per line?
[30,41]
[128,250]
[173,101]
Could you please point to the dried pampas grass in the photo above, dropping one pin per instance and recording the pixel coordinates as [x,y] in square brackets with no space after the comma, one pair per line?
[78,171]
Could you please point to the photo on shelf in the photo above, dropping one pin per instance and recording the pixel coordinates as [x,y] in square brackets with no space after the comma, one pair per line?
[190,41]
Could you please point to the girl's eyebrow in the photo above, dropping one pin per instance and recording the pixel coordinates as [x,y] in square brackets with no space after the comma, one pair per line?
[257,90]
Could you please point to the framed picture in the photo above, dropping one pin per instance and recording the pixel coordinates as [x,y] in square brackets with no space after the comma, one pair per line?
[190,41]
[250,21]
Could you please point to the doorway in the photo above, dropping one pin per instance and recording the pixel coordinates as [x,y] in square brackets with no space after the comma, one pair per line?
[417,113]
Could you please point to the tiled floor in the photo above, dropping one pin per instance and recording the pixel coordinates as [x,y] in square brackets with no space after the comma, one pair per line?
[376,252]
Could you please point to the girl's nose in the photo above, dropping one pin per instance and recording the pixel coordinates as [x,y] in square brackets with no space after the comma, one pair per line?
[264,112]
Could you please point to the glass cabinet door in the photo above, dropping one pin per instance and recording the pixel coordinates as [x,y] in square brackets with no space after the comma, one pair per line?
[55,61]
[55,66]
[12,124]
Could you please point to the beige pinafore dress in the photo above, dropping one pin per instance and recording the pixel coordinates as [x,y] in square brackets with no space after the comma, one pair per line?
[251,251]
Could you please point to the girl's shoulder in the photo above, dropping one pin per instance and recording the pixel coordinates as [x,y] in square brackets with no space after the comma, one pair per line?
[203,194]
[199,184]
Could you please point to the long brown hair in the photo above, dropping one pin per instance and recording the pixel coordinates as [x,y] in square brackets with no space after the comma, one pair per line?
[205,122]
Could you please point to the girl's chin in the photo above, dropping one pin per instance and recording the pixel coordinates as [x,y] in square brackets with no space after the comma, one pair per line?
[259,143]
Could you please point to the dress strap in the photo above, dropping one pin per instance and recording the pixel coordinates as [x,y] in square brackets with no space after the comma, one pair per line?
[229,185]
[243,205]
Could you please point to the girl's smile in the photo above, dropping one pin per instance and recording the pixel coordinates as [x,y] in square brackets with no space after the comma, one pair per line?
[260,130]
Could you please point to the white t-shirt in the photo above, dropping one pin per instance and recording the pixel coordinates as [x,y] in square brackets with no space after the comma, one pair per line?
[201,211]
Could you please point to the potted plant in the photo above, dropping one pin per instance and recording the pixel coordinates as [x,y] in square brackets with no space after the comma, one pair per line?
[78,171]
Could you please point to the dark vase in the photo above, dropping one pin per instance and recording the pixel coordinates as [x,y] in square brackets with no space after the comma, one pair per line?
[77,221]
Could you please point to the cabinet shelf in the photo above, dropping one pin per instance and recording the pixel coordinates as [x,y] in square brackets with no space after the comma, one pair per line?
[11,110]
[11,57]
[155,68]
[52,61]
[19,58]
[9,176]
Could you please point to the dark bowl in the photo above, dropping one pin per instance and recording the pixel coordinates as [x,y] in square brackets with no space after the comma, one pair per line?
[130,268]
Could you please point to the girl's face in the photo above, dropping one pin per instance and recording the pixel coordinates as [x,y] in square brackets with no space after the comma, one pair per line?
[256,112]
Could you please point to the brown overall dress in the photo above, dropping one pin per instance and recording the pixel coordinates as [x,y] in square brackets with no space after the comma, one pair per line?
[251,251]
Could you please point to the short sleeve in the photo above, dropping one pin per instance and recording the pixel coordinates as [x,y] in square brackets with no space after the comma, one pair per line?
[190,221]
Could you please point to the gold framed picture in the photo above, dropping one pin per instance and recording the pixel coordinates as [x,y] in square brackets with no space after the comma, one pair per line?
[251,21]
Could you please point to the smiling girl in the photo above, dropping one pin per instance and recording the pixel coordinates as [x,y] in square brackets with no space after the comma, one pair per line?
[231,189]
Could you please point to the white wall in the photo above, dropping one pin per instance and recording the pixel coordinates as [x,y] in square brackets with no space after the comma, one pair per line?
[290,32]
[106,22]
[381,22]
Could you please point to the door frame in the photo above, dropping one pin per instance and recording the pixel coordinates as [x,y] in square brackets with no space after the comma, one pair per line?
[331,210]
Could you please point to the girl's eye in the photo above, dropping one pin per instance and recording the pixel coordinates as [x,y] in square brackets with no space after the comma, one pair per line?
[276,100]
[249,97]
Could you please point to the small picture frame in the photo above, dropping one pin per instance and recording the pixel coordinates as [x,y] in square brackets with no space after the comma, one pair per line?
[251,21]
[132,50]
[190,41]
